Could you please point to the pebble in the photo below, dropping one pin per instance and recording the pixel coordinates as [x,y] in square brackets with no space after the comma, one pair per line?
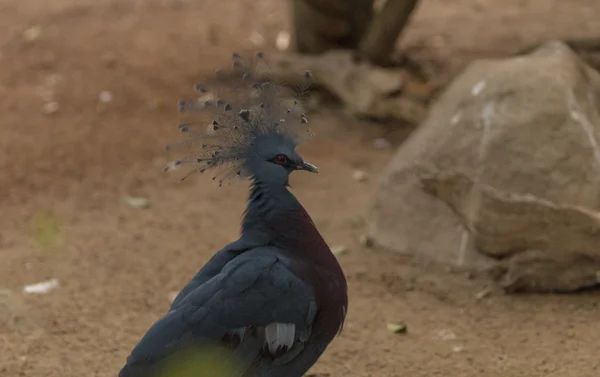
[365,240]
[105,96]
[483,294]
[381,143]
[446,335]
[40,288]
[137,202]
[257,39]
[51,107]
[360,176]
[32,33]
[339,249]
[282,41]
[397,328]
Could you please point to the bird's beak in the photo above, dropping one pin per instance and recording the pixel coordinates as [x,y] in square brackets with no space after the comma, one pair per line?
[308,167]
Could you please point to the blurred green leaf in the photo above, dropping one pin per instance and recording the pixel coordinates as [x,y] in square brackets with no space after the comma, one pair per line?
[397,328]
[137,202]
[46,230]
[200,362]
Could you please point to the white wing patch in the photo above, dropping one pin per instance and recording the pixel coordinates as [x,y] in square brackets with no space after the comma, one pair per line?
[240,331]
[280,336]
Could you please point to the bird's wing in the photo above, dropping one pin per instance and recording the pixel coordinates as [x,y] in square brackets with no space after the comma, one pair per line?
[212,268]
[256,303]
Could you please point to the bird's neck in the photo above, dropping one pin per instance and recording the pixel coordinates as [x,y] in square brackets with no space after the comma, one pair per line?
[275,217]
[267,204]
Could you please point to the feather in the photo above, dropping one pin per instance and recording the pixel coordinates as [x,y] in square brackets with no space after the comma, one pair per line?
[279,336]
[237,113]
[255,287]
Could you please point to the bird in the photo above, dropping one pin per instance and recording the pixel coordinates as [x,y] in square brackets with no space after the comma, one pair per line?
[271,302]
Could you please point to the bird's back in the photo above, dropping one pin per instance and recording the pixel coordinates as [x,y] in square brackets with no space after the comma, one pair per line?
[254,313]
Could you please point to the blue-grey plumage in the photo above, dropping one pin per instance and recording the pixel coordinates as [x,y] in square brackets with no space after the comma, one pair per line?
[270,302]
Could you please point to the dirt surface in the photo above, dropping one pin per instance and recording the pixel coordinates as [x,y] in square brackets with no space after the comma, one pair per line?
[117,265]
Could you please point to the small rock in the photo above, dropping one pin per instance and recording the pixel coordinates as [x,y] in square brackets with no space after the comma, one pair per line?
[257,39]
[458,349]
[365,240]
[339,250]
[360,176]
[41,288]
[381,143]
[282,41]
[105,96]
[446,335]
[137,202]
[33,33]
[397,328]
[483,294]
[51,107]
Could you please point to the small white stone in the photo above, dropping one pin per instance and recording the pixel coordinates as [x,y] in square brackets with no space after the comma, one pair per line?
[360,176]
[41,288]
[339,249]
[257,39]
[381,143]
[51,107]
[446,335]
[282,41]
[32,33]
[137,202]
[365,240]
[105,96]
[456,118]
[483,294]
[478,88]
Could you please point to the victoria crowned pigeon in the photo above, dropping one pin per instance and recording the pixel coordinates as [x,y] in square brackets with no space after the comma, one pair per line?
[272,301]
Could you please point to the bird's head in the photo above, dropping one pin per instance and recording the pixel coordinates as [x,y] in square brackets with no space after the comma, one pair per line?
[252,129]
[274,158]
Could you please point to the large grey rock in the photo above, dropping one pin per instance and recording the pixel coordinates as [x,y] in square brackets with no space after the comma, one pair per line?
[504,172]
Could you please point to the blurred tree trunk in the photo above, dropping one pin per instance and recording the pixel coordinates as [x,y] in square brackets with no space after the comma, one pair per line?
[348,47]
[324,25]
[378,43]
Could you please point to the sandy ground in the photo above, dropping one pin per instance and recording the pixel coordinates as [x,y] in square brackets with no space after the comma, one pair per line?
[116,265]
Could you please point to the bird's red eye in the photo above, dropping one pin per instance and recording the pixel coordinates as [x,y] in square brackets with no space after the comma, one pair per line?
[280,159]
